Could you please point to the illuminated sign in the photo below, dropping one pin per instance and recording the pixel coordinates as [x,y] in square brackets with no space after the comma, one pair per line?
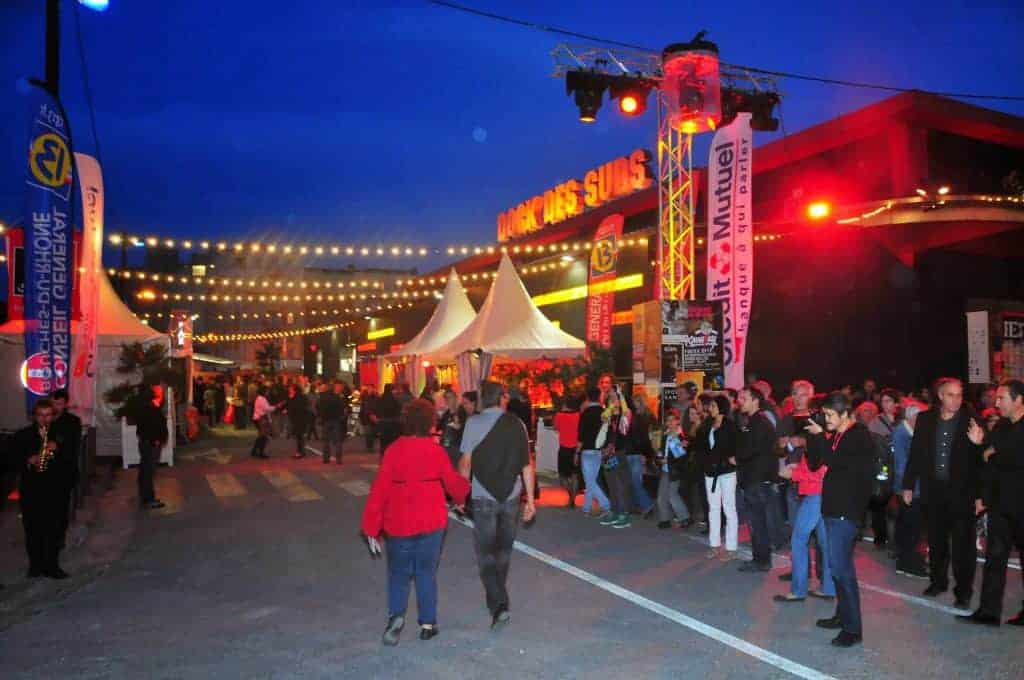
[580,292]
[380,333]
[367,347]
[614,179]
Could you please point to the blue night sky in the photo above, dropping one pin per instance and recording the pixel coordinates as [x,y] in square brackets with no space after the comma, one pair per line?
[405,122]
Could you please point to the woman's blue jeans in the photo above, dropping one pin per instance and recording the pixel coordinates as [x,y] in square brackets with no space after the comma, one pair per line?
[414,557]
[590,462]
[809,520]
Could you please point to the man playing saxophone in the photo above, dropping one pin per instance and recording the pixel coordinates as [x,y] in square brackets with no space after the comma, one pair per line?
[45,460]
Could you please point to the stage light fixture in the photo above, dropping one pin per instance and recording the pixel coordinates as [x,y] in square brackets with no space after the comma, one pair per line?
[819,210]
[588,90]
[631,94]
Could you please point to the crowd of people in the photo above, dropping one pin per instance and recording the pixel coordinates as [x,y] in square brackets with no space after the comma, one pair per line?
[922,476]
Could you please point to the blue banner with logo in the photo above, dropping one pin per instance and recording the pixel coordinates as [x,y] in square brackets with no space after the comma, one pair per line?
[48,249]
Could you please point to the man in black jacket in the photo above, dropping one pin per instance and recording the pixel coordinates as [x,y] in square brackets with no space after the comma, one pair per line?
[755,454]
[151,429]
[1003,500]
[947,461]
[45,467]
[69,429]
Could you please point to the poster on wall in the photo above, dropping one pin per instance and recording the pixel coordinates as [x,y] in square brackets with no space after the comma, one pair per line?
[692,342]
[603,260]
[1012,348]
[978,363]
[730,252]
[646,341]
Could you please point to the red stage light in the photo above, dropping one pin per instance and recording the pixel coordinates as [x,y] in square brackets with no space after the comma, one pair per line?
[629,104]
[819,210]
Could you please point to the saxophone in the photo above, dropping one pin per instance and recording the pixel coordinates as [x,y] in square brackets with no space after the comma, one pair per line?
[45,454]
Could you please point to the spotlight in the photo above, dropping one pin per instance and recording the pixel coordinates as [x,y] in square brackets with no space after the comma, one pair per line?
[588,89]
[631,93]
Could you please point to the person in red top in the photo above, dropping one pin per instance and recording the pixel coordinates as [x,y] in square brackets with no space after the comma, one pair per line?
[808,519]
[407,506]
[567,423]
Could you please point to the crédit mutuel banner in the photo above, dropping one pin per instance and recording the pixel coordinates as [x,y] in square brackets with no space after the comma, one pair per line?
[603,258]
[731,239]
[84,355]
[48,251]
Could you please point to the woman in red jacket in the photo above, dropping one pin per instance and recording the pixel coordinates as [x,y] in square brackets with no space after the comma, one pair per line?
[407,505]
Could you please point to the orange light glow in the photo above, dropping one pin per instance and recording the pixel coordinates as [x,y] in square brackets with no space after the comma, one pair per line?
[819,210]
[628,104]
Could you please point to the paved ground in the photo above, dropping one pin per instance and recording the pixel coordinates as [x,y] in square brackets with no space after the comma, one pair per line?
[256,570]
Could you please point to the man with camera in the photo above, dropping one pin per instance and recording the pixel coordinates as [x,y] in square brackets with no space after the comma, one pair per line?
[845,491]
[1003,500]
[758,467]
[945,455]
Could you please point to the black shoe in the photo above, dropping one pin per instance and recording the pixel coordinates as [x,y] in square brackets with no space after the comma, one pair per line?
[34,573]
[501,619]
[912,572]
[979,619]
[821,595]
[788,597]
[648,512]
[880,545]
[428,632]
[845,639]
[962,603]
[664,525]
[787,577]
[155,504]
[58,574]
[933,590]
[831,623]
[393,631]
[754,566]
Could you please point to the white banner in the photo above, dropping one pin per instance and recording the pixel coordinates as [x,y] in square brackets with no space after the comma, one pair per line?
[730,270]
[84,357]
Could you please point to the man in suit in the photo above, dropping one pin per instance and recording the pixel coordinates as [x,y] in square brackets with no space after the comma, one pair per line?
[1003,499]
[45,466]
[151,428]
[69,426]
[945,455]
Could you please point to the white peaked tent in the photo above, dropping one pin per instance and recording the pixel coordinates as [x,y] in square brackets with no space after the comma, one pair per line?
[116,326]
[450,318]
[507,327]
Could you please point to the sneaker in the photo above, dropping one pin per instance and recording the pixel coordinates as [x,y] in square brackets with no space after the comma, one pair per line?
[714,554]
[664,525]
[393,631]
[622,522]
[729,556]
[607,518]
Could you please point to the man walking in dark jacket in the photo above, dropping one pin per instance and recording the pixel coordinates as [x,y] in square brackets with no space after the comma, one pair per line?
[495,449]
[948,464]
[757,470]
[151,429]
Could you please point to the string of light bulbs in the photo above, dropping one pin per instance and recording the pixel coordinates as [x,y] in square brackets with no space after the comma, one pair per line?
[152,295]
[320,249]
[214,338]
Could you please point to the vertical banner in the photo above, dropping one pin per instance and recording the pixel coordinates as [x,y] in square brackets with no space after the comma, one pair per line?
[84,346]
[603,260]
[48,253]
[730,269]
[978,364]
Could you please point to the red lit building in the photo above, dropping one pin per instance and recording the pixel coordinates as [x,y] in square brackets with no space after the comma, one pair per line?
[876,286]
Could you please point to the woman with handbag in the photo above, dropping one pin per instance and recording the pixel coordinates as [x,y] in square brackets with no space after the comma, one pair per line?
[719,433]
[407,509]
[673,469]
[616,464]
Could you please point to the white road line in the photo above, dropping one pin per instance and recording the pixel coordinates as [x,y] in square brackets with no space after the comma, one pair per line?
[739,644]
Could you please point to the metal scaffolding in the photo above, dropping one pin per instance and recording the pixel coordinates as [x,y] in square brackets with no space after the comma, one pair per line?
[676,193]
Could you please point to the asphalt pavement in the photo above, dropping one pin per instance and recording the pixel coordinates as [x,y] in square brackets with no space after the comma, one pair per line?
[255,569]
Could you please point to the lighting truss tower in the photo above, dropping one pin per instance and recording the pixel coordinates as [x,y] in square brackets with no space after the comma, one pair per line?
[676,189]
[676,192]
